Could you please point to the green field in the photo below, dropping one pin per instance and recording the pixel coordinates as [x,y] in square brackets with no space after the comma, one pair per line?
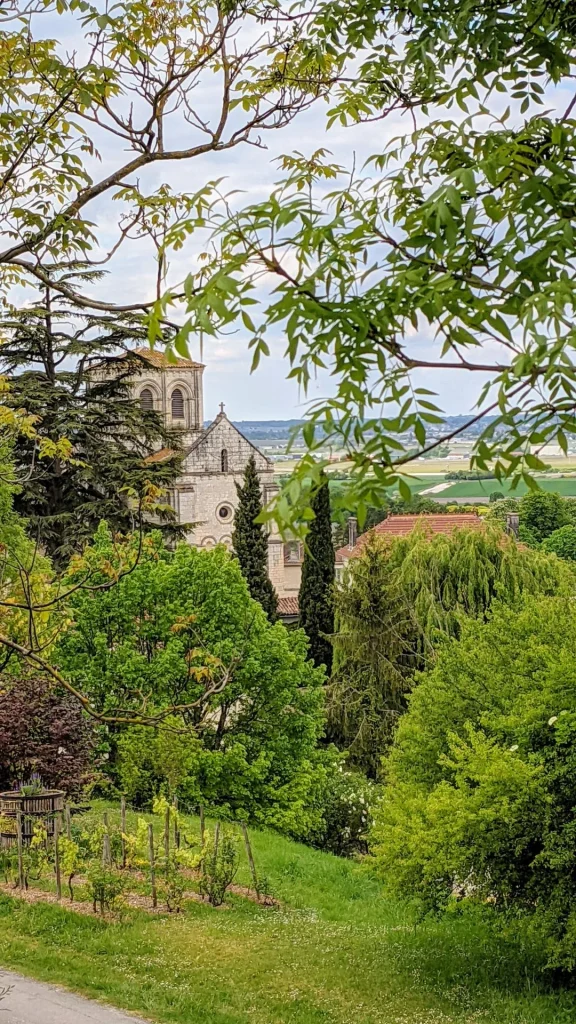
[335,952]
[483,488]
[473,489]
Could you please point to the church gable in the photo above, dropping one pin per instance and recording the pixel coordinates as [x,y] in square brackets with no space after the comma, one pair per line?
[223,449]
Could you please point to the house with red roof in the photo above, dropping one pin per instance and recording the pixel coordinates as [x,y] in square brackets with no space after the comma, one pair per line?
[401,526]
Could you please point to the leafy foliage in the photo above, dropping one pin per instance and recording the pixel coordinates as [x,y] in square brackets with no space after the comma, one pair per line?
[181,637]
[480,783]
[58,111]
[396,603]
[249,541]
[219,866]
[105,475]
[498,511]
[456,232]
[375,644]
[315,597]
[544,512]
[347,805]
[106,887]
[43,730]
[151,761]
[562,542]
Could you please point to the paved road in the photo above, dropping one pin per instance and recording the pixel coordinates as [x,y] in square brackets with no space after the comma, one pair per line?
[32,1002]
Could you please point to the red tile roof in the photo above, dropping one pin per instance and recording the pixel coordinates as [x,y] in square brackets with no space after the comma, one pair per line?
[162,456]
[400,526]
[288,606]
[157,358]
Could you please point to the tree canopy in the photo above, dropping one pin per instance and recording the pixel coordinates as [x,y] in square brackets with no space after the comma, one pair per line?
[49,356]
[397,602]
[181,634]
[75,152]
[316,597]
[480,794]
[562,542]
[457,233]
[250,543]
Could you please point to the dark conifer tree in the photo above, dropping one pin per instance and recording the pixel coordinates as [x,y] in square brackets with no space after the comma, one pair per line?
[47,356]
[316,589]
[249,541]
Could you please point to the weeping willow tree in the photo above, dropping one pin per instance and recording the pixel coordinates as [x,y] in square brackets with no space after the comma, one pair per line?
[397,600]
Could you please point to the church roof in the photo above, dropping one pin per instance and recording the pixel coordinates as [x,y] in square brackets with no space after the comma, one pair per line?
[400,526]
[159,359]
[205,433]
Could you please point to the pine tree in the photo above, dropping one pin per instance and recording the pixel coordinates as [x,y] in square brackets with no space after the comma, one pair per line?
[316,588]
[249,541]
[374,647]
[46,357]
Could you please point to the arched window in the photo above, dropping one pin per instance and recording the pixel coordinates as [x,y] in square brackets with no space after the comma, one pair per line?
[177,404]
[146,400]
[224,460]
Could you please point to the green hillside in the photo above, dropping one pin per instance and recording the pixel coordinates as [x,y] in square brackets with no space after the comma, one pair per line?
[335,952]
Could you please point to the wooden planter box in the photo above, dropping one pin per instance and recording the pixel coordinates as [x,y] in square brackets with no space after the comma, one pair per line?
[42,807]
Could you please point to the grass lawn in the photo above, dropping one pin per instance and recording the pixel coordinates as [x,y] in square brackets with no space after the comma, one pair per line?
[334,953]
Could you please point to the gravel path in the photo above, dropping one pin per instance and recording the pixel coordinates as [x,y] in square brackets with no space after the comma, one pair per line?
[32,1002]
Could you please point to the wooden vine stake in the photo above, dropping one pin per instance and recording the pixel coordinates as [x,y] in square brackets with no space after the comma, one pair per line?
[68,823]
[167,841]
[176,829]
[19,843]
[202,835]
[123,828]
[152,870]
[106,851]
[216,843]
[249,855]
[57,856]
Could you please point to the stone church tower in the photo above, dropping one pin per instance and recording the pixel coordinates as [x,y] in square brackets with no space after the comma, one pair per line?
[214,457]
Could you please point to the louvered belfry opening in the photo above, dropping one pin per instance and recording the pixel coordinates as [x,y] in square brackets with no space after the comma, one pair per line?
[224,460]
[177,404]
[146,400]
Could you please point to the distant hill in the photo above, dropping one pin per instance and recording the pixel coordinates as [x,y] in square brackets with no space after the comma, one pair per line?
[277,430]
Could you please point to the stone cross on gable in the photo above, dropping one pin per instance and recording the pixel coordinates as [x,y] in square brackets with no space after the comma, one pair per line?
[221,408]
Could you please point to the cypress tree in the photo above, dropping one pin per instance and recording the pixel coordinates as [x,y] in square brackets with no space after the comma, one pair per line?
[316,588]
[249,541]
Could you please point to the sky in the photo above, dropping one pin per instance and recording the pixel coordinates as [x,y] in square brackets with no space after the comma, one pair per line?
[266,394]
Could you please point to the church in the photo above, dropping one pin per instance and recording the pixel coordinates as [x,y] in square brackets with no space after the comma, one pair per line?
[214,461]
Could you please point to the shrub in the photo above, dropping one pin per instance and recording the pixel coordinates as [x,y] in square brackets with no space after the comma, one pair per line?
[498,511]
[481,792]
[219,866]
[44,731]
[162,760]
[349,798]
[543,512]
[105,888]
[562,542]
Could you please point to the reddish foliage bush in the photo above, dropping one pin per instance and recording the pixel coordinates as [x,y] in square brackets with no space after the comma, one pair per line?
[43,730]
